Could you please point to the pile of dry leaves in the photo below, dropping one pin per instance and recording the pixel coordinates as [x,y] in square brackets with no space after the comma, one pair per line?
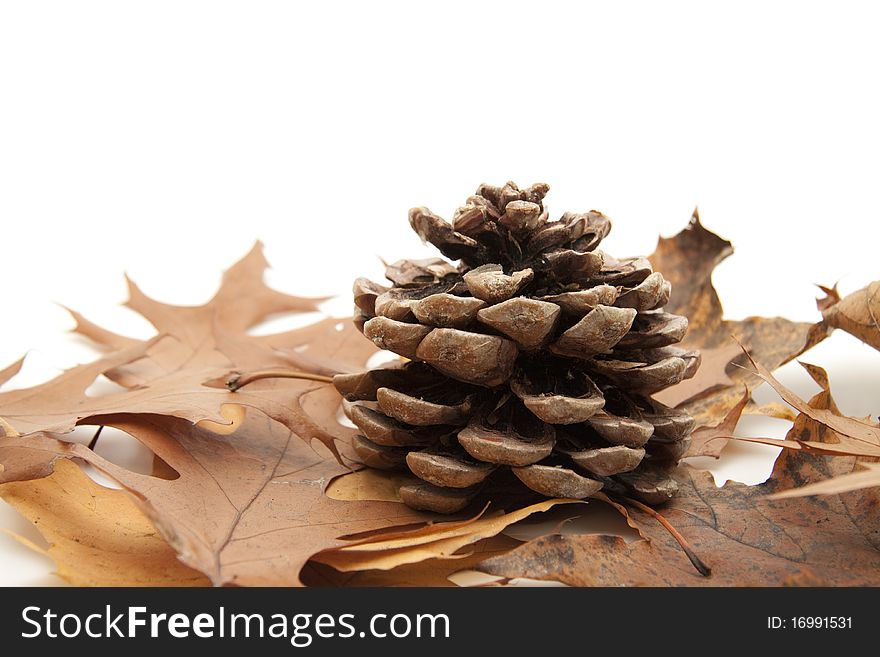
[255,487]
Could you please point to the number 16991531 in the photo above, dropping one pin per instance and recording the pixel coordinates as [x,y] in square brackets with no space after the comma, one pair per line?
[809,623]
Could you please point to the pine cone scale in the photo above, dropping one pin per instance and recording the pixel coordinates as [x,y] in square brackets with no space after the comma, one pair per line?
[486,360]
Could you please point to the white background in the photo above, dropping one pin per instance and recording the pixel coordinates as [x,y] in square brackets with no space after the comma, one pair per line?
[162,138]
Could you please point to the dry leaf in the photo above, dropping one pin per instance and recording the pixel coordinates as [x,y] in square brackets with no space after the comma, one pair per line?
[10,371]
[97,536]
[857,313]
[369,484]
[687,260]
[244,502]
[390,549]
[816,436]
[770,409]
[165,375]
[247,508]
[832,296]
[829,432]
[747,539]
[711,441]
[868,476]
[431,572]
[711,376]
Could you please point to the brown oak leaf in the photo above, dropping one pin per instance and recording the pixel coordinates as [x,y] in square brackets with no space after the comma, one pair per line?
[687,260]
[97,536]
[171,373]
[747,539]
[712,376]
[244,508]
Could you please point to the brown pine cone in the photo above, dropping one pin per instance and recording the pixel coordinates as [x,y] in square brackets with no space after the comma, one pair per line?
[536,352]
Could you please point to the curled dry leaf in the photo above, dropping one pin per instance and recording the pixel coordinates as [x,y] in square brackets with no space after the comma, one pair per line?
[687,260]
[857,313]
[10,371]
[711,441]
[868,476]
[770,409]
[390,549]
[431,572]
[830,432]
[820,428]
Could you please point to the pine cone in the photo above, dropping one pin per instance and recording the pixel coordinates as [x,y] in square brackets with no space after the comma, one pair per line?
[536,352]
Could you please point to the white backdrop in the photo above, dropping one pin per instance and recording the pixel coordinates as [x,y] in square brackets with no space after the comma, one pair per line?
[161,139]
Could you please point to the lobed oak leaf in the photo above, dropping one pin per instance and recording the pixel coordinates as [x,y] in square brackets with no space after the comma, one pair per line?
[167,374]
[746,539]
[245,508]
[97,536]
[687,260]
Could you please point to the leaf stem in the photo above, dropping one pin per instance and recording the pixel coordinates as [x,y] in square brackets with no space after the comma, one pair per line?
[238,380]
[94,440]
[701,567]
